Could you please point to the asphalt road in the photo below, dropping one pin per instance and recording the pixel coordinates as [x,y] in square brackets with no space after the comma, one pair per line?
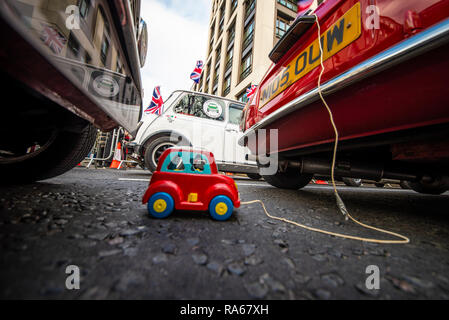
[94,219]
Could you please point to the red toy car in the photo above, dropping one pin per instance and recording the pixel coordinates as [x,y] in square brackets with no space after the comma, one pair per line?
[188,179]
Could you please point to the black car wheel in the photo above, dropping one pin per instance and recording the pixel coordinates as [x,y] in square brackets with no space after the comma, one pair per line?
[156,148]
[350,182]
[254,176]
[53,153]
[434,187]
[289,179]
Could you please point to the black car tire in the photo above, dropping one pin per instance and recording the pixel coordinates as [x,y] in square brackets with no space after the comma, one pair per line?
[379,184]
[65,151]
[291,179]
[405,185]
[351,182]
[254,176]
[156,147]
[435,187]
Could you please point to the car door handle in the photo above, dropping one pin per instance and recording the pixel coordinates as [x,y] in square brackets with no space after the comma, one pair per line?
[231,130]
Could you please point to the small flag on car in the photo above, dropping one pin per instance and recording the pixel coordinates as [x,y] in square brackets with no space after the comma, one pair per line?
[196,74]
[157,103]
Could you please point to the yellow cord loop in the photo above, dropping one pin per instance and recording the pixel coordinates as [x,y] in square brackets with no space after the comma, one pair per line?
[340,203]
[338,235]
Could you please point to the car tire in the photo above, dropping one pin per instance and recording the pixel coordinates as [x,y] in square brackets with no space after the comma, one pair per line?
[161,205]
[221,208]
[405,185]
[379,185]
[64,151]
[155,149]
[291,179]
[435,187]
[254,176]
[351,182]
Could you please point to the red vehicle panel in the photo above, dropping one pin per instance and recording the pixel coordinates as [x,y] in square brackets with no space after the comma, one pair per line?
[380,82]
[411,83]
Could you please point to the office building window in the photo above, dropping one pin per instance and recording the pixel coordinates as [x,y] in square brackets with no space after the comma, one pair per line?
[208,74]
[222,16]
[84,6]
[242,97]
[218,57]
[234,4]
[292,5]
[246,67]
[200,86]
[74,45]
[104,50]
[86,58]
[227,85]
[249,8]
[231,33]
[248,35]
[282,26]
[229,58]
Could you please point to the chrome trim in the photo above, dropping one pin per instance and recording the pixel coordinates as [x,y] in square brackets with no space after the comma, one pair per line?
[129,33]
[406,50]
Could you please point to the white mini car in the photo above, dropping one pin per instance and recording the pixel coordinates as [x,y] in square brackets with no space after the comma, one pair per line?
[200,121]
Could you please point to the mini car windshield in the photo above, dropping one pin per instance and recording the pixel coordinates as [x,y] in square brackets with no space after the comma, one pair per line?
[186,162]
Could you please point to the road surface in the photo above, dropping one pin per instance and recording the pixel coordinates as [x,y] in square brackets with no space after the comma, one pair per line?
[94,220]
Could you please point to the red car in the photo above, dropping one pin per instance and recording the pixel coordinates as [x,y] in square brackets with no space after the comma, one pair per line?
[386,67]
[188,179]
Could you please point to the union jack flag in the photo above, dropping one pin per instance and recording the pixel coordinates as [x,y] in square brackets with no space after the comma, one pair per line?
[251,91]
[156,103]
[306,5]
[53,39]
[196,74]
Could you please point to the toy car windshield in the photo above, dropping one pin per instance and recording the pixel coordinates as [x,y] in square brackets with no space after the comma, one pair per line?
[192,163]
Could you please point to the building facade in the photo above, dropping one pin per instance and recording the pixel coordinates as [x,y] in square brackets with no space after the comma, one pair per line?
[241,35]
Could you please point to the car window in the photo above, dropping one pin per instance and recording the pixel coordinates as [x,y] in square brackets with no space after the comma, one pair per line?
[176,164]
[187,162]
[201,107]
[235,114]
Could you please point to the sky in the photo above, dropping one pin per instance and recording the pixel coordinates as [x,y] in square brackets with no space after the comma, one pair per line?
[177,39]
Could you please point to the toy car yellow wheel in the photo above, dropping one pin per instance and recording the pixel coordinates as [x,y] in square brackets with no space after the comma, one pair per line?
[161,205]
[221,208]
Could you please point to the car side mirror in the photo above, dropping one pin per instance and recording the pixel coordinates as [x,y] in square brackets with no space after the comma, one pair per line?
[142,42]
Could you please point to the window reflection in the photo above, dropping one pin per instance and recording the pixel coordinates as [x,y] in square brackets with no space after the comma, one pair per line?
[91,53]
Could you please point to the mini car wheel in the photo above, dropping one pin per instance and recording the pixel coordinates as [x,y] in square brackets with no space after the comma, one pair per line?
[290,179]
[351,182]
[221,208]
[254,176]
[161,205]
